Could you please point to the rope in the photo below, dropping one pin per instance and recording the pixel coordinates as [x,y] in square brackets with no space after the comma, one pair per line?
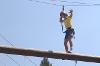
[13,60]
[77,3]
[62,27]
[30,60]
[4,38]
[75,62]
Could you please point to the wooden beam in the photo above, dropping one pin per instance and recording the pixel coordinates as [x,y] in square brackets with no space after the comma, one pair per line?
[49,54]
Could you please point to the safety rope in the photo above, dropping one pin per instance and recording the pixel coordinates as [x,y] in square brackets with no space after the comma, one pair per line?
[75,62]
[61,18]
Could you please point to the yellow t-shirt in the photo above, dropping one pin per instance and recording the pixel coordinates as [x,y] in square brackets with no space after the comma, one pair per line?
[67,22]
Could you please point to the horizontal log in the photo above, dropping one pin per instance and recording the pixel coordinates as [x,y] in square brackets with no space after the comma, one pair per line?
[49,54]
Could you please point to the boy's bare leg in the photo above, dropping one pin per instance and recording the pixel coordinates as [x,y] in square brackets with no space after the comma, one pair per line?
[70,43]
[65,44]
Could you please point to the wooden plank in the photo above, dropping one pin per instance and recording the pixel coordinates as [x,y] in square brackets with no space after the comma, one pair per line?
[49,54]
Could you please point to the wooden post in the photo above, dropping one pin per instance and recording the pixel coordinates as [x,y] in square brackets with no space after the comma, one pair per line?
[49,54]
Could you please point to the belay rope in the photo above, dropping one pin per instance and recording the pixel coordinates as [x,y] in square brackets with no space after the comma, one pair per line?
[62,27]
[75,62]
[61,23]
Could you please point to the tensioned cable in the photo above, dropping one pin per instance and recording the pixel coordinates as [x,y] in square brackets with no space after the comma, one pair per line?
[72,2]
[31,61]
[3,37]
[6,40]
[78,3]
[13,60]
[11,45]
[43,2]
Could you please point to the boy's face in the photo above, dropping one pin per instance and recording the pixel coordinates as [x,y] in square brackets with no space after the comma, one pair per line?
[64,15]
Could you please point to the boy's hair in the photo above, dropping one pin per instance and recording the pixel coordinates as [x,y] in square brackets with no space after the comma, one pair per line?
[62,13]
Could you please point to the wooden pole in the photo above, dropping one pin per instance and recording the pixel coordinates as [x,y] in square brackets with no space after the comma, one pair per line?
[49,54]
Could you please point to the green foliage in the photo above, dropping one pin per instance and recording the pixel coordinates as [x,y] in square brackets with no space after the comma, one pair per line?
[45,62]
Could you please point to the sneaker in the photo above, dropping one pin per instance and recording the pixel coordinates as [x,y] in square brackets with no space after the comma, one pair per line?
[69,52]
[63,59]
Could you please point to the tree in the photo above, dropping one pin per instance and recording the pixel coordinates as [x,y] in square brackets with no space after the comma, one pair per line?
[45,62]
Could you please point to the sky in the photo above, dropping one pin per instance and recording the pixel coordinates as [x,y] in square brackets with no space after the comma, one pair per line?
[35,24]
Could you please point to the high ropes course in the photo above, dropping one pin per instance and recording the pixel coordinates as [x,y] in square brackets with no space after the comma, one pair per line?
[52,54]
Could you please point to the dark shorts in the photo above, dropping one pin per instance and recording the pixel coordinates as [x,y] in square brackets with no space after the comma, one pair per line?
[69,32]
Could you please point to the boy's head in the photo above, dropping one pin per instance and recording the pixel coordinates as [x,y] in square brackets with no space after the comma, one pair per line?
[62,14]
